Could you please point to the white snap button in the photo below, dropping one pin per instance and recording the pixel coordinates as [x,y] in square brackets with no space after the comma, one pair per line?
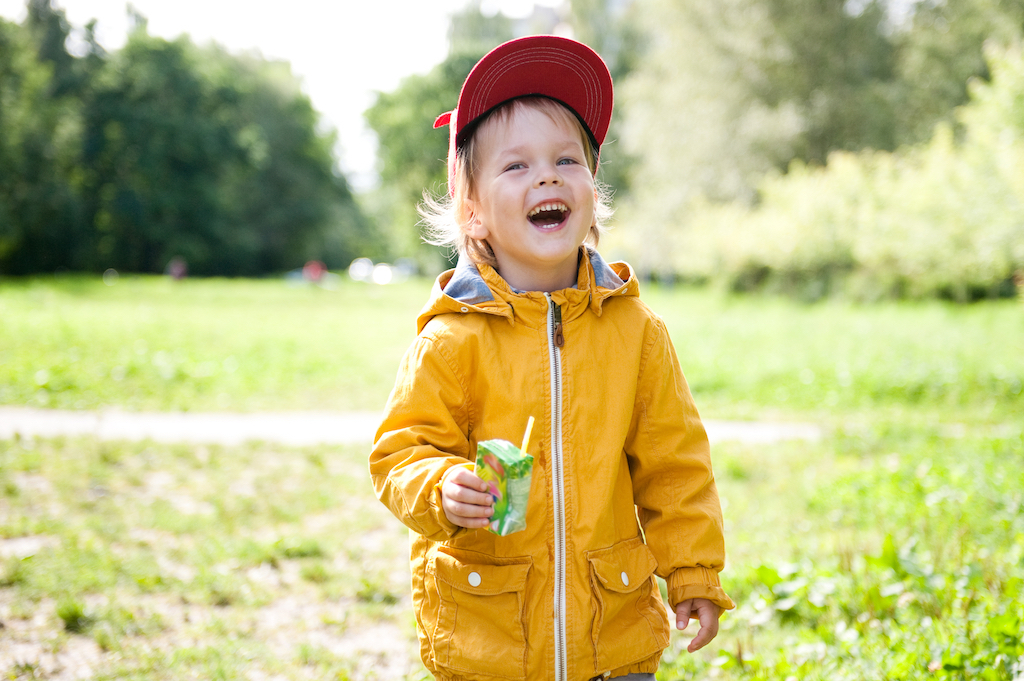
[465,309]
[474,579]
[625,579]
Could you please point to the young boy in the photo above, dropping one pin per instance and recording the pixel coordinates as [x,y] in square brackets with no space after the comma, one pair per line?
[532,322]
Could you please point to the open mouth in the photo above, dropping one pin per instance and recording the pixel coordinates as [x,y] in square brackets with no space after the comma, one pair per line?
[548,214]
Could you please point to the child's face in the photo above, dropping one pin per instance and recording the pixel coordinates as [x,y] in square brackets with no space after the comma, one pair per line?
[533,197]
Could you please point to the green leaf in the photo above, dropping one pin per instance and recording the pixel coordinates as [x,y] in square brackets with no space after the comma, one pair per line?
[1005,625]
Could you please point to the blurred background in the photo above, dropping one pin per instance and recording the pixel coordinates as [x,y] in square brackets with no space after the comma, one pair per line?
[865,148]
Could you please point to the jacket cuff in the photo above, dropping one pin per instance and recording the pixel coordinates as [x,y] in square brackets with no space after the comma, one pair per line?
[697,582]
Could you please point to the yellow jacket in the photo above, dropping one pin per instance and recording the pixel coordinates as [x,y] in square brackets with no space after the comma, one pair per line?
[619,446]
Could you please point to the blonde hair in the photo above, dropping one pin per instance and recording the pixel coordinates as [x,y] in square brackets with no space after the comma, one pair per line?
[446,217]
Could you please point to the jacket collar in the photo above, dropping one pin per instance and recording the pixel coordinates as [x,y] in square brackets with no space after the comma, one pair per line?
[479,288]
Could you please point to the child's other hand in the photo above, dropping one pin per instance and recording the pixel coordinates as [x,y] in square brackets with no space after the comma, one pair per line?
[707,615]
[465,499]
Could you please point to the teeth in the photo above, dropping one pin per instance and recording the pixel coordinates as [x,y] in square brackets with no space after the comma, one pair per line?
[548,207]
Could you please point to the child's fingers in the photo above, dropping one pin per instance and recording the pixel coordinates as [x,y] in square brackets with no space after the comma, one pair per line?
[703,637]
[467,515]
[707,613]
[469,509]
[466,487]
[683,614]
[467,478]
[468,496]
[461,501]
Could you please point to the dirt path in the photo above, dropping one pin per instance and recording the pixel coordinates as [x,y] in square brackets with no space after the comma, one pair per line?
[289,428]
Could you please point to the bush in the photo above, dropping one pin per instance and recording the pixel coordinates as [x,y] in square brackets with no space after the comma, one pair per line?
[945,219]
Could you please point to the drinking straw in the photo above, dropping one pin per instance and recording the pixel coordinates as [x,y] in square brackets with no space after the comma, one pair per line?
[526,436]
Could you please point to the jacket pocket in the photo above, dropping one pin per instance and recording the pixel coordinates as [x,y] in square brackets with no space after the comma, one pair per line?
[480,628]
[630,619]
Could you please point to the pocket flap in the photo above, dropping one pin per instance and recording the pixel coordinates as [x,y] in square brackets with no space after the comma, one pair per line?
[482,578]
[623,567]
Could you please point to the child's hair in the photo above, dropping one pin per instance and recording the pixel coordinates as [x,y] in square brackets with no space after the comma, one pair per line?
[445,217]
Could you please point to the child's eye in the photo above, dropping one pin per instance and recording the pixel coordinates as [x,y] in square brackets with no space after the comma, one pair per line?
[567,161]
[515,166]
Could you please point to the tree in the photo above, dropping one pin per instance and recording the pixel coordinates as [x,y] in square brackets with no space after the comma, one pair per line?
[944,218]
[838,67]
[729,91]
[213,158]
[159,150]
[40,213]
[49,28]
[611,30]
[941,51]
[285,188]
[726,92]
[470,31]
[411,154]
[156,143]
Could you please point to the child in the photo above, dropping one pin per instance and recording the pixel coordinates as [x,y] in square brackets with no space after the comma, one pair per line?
[532,322]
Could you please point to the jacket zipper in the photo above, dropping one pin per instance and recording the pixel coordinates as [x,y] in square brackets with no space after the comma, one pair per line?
[556,340]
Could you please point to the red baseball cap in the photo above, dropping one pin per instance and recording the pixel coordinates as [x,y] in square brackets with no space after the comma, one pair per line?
[550,66]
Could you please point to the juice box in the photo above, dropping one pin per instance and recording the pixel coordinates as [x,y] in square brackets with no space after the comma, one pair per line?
[507,470]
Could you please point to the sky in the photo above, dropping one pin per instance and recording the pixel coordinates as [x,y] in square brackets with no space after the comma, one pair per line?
[343,50]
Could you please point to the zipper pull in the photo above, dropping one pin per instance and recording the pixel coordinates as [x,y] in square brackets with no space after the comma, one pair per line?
[559,336]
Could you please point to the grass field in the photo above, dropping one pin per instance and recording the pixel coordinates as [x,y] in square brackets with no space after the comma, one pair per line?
[163,562]
[195,345]
[891,549]
[150,343]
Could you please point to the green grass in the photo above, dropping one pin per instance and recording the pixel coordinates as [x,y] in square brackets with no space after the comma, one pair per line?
[893,553]
[893,548]
[151,343]
[201,562]
[748,355]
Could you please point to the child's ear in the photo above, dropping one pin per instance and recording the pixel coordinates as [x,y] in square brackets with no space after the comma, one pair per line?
[473,228]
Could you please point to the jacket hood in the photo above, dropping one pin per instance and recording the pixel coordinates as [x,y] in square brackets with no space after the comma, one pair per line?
[479,288]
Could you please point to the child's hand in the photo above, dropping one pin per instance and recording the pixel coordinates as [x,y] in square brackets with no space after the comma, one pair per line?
[707,615]
[465,499]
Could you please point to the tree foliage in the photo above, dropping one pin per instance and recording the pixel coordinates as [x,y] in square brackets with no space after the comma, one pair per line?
[162,150]
[40,214]
[412,154]
[941,47]
[156,144]
[727,92]
[941,219]
[614,33]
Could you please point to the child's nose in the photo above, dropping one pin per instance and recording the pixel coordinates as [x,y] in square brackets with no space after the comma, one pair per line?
[548,175]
